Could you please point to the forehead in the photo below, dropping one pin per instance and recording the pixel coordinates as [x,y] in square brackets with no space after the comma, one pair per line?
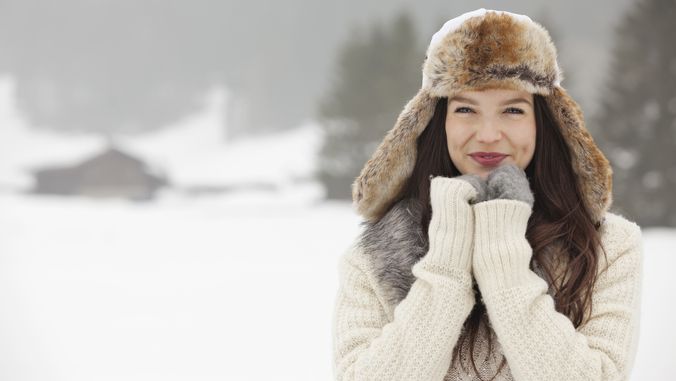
[492,96]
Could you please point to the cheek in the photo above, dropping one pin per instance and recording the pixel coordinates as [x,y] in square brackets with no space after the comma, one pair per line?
[526,140]
[457,140]
[451,140]
[531,138]
[456,136]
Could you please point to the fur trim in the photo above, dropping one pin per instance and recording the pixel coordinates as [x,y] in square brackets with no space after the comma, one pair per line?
[395,244]
[594,172]
[493,50]
[383,177]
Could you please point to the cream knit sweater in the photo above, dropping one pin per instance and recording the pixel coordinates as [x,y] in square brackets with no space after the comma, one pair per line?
[414,340]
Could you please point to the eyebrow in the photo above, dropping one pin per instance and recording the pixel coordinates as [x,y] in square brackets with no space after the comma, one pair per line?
[472,102]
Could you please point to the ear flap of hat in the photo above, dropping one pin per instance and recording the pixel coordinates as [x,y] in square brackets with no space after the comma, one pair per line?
[591,167]
[383,177]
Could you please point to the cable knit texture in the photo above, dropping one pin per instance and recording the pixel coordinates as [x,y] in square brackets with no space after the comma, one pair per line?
[414,340]
[502,253]
[417,344]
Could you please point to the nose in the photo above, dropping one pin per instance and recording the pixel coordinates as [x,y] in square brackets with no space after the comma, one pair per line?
[488,132]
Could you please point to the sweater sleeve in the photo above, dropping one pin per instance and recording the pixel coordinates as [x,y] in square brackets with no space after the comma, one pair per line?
[539,342]
[418,343]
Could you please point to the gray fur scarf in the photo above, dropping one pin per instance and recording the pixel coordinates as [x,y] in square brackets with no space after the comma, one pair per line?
[395,243]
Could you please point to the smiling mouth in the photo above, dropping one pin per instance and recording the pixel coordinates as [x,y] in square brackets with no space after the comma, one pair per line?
[488,160]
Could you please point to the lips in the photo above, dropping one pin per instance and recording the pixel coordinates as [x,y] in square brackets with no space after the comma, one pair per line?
[489,159]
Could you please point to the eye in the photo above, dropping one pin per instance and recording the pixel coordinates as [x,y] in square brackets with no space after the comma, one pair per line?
[514,110]
[463,110]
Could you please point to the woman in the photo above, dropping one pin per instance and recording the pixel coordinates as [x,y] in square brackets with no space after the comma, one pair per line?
[488,251]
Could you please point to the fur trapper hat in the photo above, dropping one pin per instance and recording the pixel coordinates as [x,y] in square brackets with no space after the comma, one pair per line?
[480,50]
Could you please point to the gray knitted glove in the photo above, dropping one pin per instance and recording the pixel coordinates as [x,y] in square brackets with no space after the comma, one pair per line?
[478,183]
[509,182]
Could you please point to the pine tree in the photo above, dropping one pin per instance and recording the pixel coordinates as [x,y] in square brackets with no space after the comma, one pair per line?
[375,76]
[637,117]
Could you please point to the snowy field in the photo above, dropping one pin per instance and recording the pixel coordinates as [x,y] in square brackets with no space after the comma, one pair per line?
[177,290]
[204,289]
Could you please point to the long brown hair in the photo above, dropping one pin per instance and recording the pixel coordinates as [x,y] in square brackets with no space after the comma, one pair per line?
[560,218]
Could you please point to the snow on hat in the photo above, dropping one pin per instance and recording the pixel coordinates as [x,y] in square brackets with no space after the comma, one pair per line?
[483,49]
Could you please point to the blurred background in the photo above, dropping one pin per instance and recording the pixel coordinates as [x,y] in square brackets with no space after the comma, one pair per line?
[175,175]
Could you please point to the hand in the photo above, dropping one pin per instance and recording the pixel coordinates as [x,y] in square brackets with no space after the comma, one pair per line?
[479,185]
[509,182]
[451,227]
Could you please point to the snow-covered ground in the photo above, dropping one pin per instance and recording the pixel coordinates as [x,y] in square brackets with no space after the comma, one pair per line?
[168,291]
[657,345]
[236,286]
[204,289]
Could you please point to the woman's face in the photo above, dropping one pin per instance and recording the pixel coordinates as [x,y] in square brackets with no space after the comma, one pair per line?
[490,121]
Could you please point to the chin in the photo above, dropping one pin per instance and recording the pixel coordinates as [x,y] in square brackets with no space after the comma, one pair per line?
[481,173]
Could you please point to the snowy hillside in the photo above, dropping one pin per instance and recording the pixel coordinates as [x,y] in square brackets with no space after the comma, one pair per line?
[23,148]
[195,153]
